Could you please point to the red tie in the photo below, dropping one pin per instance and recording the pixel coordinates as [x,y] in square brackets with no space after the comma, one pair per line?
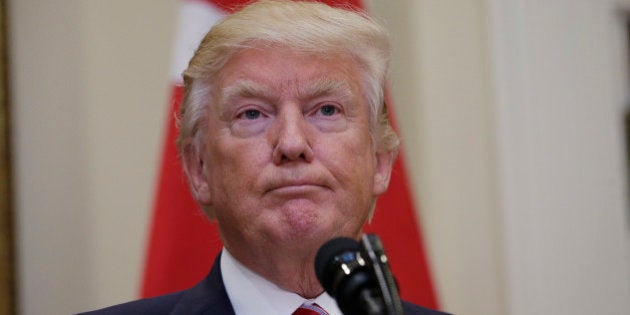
[310,309]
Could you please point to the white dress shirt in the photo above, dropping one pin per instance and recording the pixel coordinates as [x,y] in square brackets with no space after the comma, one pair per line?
[252,294]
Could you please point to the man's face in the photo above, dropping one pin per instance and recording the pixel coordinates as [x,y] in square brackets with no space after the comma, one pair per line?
[288,158]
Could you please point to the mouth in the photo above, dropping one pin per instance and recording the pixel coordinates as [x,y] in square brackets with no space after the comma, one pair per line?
[295,187]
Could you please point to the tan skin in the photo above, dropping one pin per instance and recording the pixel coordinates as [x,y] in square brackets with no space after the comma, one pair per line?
[288,161]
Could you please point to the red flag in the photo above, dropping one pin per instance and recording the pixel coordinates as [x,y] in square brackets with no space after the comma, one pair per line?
[183,243]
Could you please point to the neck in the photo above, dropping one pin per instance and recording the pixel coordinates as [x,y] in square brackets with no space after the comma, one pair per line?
[293,271]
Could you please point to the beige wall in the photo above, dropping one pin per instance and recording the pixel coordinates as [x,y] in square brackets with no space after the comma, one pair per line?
[561,89]
[90,90]
[520,209]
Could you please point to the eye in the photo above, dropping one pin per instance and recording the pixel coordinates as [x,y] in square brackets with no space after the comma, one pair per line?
[329,116]
[328,110]
[250,114]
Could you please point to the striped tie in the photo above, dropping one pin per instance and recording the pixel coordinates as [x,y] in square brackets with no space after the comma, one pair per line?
[310,309]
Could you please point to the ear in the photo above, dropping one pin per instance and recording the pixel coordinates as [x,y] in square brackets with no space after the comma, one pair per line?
[383,170]
[195,169]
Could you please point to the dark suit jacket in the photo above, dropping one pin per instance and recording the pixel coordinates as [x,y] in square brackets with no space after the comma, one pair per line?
[206,298]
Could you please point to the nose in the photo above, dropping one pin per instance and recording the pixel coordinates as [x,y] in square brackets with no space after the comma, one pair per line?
[292,138]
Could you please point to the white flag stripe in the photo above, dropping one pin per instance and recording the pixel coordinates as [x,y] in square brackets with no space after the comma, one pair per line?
[195,19]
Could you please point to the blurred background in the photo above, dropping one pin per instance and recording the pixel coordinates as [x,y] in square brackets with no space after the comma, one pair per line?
[512,121]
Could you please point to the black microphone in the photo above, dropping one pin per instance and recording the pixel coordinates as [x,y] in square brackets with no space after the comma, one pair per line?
[358,276]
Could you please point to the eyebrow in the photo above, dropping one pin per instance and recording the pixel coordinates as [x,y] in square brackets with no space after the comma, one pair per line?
[325,86]
[313,89]
[245,88]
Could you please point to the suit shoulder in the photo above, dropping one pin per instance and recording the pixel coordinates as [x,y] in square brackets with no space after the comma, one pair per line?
[413,309]
[159,305]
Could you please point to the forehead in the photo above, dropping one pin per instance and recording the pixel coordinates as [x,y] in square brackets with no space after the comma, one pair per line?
[278,69]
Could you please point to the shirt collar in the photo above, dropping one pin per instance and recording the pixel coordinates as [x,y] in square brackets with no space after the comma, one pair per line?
[250,293]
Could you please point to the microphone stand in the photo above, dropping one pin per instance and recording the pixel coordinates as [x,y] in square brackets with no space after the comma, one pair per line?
[372,249]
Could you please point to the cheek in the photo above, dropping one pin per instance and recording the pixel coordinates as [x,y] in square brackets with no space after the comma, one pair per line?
[354,164]
[234,166]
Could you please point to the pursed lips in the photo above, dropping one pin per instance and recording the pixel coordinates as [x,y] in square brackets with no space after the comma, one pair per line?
[295,187]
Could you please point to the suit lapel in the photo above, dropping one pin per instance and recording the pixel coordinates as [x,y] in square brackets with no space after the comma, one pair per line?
[208,297]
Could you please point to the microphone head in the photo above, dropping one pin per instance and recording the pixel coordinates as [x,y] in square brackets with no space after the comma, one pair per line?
[329,258]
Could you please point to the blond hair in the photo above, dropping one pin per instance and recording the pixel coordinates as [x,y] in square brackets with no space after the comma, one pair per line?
[300,26]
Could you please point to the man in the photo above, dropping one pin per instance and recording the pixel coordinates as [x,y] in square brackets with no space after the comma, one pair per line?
[286,143]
